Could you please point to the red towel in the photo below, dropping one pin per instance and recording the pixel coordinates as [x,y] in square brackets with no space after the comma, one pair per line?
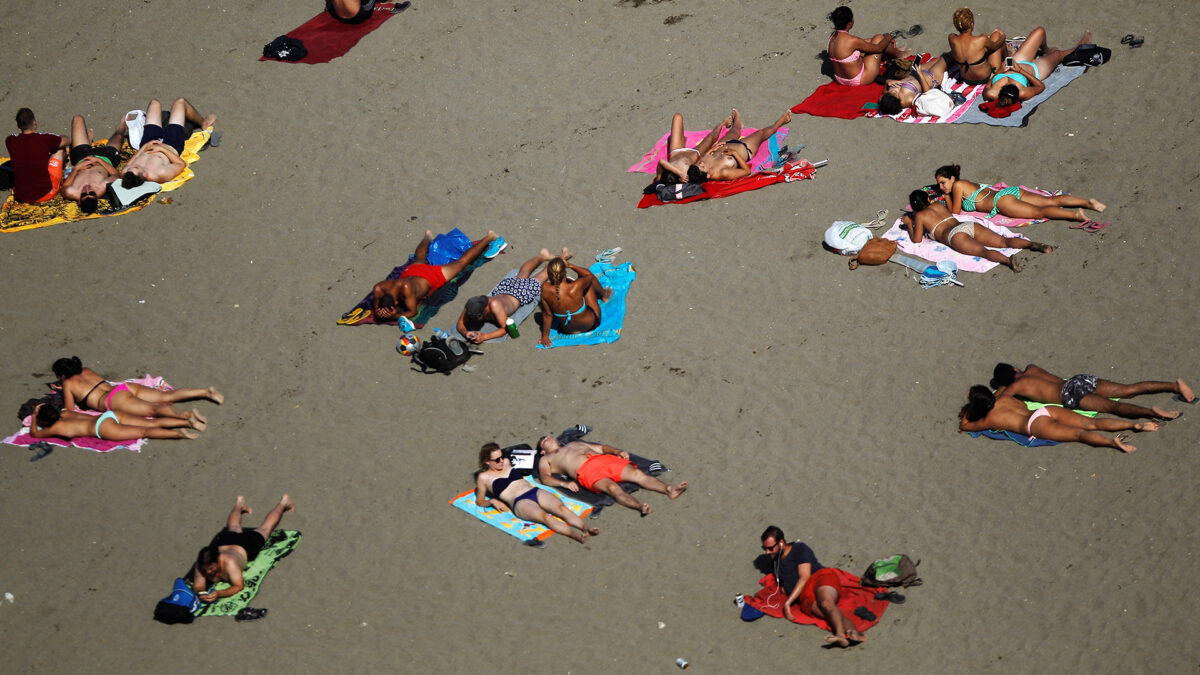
[769,600]
[326,38]
[838,100]
[715,189]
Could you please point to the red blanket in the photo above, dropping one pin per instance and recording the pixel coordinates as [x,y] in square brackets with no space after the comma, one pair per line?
[715,189]
[838,100]
[326,38]
[769,601]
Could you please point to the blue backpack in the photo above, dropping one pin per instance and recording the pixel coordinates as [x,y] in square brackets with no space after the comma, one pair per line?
[178,607]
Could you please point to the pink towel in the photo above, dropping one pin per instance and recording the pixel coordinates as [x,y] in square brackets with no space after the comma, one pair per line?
[649,162]
[24,439]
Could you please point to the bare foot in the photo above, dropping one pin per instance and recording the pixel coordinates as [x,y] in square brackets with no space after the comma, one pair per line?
[605,294]
[566,254]
[592,531]
[215,396]
[1087,38]
[855,637]
[673,491]
[492,236]
[241,506]
[644,510]
[1120,444]
[196,413]
[1185,392]
[1096,206]
[1040,248]
[196,422]
[187,434]
[736,127]
[286,502]
[728,122]
[1146,426]
[1015,265]
[1165,414]
[784,118]
[208,122]
[839,640]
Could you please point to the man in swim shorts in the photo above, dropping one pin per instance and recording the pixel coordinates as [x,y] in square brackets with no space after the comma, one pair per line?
[232,550]
[158,159]
[402,296]
[509,295]
[598,468]
[36,160]
[811,588]
[1085,392]
[95,167]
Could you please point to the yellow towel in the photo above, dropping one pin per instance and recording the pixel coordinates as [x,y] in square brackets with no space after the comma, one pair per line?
[15,216]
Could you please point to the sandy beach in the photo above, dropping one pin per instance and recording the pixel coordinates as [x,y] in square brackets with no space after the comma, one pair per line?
[784,388]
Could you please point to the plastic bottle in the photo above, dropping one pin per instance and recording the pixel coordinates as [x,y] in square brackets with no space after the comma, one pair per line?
[510,327]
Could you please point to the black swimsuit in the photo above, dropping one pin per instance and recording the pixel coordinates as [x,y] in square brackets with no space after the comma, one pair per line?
[749,155]
[84,400]
[501,484]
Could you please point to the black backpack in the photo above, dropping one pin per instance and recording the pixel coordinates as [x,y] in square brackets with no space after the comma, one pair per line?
[1088,55]
[441,355]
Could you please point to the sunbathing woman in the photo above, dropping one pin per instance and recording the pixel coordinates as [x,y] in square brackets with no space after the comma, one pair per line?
[495,486]
[730,158]
[960,233]
[677,167]
[985,411]
[570,306]
[1028,70]
[1014,202]
[977,56]
[49,420]
[86,389]
[855,60]
[903,93]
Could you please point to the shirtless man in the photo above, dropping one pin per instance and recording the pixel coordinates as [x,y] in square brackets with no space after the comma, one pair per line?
[94,167]
[51,421]
[730,158]
[598,468]
[158,160]
[1086,392]
[985,411]
[232,550]
[401,297]
[509,295]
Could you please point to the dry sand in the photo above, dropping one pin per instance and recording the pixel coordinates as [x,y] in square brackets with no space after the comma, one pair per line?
[783,387]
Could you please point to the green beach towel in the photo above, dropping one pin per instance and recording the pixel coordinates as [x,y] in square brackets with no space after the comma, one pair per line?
[278,546]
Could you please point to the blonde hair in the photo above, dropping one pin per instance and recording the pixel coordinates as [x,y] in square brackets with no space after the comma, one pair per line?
[964,19]
[556,272]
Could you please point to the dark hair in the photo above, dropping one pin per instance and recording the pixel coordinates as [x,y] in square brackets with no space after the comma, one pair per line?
[48,414]
[1009,94]
[67,367]
[695,175]
[485,453]
[387,301]
[918,200]
[841,17]
[207,556]
[948,171]
[131,180]
[772,532]
[669,178]
[889,104]
[980,401]
[1003,375]
[25,119]
[27,407]
[89,204]
[476,307]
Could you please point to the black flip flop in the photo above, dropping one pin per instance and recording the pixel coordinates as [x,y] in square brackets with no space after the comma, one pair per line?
[43,448]
[1137,42]
[914,30]
[865,614]
[1179,397]
[250,614]
[1127,39]
[890,596]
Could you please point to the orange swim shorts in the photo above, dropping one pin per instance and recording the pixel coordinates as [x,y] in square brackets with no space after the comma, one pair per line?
[55,169]
[599,467]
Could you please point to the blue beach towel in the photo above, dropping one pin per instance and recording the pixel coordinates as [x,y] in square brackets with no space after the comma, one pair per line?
[1022,439]
[508,523]
[612,311]
[1061,77]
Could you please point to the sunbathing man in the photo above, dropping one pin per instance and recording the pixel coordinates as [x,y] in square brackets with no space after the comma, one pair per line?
[984,410]
[50,420]
[812,589]
[1086,392]
[509,295]
[402,297]
[598,468]
[158,160]
[94,166]
[232,550]
[730,158]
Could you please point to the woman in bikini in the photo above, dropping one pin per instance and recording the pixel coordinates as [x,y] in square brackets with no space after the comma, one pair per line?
[51,421]
[495,486]
[677,167]
[977,56]
[903,93]
[726,158]
[1024,79]
[984,411]
[86,389]
[963,195]
[570,306]
[961,233]
[855,60]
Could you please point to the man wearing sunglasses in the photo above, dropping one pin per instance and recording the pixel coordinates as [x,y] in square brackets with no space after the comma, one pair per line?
[94,166]
[811,587]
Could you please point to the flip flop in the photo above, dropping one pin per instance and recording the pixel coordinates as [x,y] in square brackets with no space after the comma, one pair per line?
[250,614]
[1127,39]
[1137,42]
[1092,226]
[865,614]
[606,256]
[1178,397]
[43,448]
[356,315]
[914,30]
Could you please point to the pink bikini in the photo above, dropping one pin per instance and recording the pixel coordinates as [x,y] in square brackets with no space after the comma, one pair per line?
[108,399]
[1040,412]
[856,56]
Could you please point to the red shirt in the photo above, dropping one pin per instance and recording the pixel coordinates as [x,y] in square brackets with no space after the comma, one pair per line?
[30,153]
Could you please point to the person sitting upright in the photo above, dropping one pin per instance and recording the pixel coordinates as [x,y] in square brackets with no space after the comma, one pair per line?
[1086,392]
[810,586]
[509,295]
[158,160]
[846,50]
[402,296]
[36,160]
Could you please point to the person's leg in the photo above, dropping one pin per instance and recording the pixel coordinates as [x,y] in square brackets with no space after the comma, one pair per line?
[114,431]
[272,520]
[755,139]
[988,238]
[530,265]
[1049,60]
[526,509]
[451,270]
[1029,49]
[710,140]
[1106,405]
[234,522]
[421,254]
[826,607]
[175,395]
[967,245]
[162,422]
[632,474]
[677,139]
[81,138]
[117,138]
[1019,208]
[345,9]
[611,488]
[1061,200]
[1110,389]
[554,506]
[183,111]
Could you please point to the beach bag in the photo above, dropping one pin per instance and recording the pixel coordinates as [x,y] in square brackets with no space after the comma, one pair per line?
[874,252]
[898,570]
[285,48]
[1088,55]
[846,237]
[441,355]
[178,607]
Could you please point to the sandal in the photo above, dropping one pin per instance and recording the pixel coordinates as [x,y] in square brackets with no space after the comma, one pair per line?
[606,256]
[1137,42]
[1127,39]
